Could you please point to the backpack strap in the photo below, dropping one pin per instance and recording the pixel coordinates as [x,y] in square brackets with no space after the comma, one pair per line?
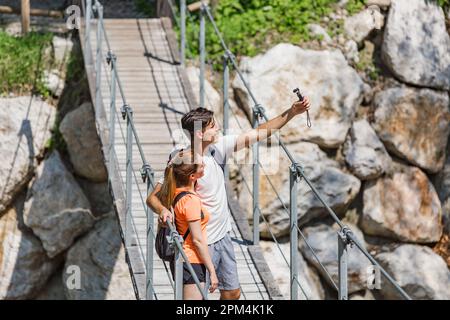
[175,201]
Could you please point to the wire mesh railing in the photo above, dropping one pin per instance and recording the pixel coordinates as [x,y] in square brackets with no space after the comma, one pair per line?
[345,236]
[93,17]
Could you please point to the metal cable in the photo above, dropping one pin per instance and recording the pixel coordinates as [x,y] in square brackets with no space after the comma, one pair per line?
[270,231]
[287,211]
[291,158]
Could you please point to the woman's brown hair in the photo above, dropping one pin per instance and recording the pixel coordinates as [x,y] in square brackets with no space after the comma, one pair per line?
[176,175]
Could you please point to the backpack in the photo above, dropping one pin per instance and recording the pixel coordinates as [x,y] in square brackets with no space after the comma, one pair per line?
[163,248]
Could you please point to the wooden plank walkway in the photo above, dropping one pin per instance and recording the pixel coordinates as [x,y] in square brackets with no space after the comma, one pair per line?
[153,86]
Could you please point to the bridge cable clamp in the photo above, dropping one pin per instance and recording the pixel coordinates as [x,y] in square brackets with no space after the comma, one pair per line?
[346,232]
[258,111]
[109,57]
[124,110]
[144,171]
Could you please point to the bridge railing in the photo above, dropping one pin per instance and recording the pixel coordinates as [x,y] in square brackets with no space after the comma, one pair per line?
[345,236]
[93,18]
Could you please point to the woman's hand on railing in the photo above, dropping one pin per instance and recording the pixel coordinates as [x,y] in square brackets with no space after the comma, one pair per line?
[164,216]
[214,282]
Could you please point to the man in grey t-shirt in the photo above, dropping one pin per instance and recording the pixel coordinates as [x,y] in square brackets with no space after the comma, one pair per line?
[213,150]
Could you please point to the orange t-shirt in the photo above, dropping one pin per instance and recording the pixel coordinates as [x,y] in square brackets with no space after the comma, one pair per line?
[189,208]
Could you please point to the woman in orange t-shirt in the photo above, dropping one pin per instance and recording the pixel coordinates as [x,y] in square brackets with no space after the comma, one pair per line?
[190,216]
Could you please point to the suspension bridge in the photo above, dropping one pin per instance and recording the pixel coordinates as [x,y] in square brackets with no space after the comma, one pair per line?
[137,79]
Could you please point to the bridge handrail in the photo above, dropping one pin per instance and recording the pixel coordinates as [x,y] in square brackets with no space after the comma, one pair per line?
[146,170]
[345,236]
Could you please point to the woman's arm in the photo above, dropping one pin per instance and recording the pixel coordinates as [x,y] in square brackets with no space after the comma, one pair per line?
[202,248]
[156,205]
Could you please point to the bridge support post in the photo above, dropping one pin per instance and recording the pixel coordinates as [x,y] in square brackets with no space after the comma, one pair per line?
[127,114]
[293,184]
[111,59]
[87,36]
[202,54]
[183,31]
[149,176]
[257,112]
[178,272]
[98,65]
[343,242]
[226,106]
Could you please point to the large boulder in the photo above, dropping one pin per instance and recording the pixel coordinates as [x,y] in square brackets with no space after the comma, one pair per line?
[83,144]
[444,195]
[323,240]
[359,26]
[62,47]
[99,196]
[418,270]
[56,208]
[403,206]
[334,88]
[24,264]
[25,124]
[308,277]
[365,154]
[101,258]
[337,188]
[414,125]
[416,45]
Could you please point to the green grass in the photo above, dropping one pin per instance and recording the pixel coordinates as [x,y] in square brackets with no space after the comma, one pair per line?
[22,63]
[250,27]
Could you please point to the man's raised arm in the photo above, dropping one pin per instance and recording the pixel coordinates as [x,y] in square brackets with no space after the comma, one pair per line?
[268,128]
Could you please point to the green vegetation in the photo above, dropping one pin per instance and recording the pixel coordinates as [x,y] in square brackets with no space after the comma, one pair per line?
[22,63]
[251,26]
[354,6]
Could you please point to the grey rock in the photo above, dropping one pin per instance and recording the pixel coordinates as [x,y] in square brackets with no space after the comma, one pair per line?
[101,258]
[323,240]
[414,124]
[416,45]
[365,154]
[359,26]
[404,206]
[56,209]
[317,30]
[24,264]
[308,277]
[25,124]
[418,270]
[334,88]
[336,187]
[83,144]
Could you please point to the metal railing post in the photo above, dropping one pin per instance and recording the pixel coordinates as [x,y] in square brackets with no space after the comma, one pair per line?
[202,54]
[87,36]
[149,176]
[293,183]
[255,170]
[111,59]
[183,31]
[226,106]
[98,65]
[343,264]
[178,273]
[127,114]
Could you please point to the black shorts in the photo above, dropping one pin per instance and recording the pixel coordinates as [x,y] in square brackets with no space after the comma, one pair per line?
[199,269]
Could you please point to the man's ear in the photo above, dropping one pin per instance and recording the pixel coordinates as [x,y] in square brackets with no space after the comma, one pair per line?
[199,135]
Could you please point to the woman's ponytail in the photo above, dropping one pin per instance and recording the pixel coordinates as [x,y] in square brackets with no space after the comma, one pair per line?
[167,193]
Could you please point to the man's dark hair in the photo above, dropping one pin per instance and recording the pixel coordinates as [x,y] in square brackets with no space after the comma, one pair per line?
[200,114]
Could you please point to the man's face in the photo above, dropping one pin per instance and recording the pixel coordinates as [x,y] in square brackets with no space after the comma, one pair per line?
[211,132]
